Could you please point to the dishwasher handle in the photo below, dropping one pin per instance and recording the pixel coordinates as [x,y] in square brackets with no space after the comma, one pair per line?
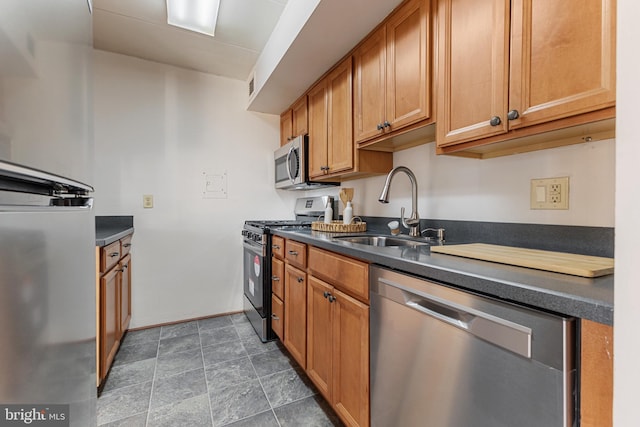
[501,332]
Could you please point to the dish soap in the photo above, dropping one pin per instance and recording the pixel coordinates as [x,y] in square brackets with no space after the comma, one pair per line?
[347,214]
[328,213]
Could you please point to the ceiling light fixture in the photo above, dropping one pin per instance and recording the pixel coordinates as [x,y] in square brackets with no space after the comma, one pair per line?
[194,15]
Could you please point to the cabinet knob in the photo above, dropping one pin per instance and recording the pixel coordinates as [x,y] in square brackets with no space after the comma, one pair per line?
[326,294]
[513,114]
[300,279]
[380,127]
[275,278]
[495,121]
[274,317]
[386,124]
[332,298]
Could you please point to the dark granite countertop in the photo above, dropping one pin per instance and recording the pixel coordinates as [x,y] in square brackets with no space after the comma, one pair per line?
[112,228]
[581,297]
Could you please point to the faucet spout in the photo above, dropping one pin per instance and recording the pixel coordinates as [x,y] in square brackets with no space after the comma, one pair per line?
[413,222]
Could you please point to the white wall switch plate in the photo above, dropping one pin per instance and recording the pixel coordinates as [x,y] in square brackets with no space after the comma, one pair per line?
[550,193]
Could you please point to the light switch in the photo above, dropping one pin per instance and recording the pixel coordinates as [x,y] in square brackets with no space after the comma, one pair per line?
[147,201]
[541,194]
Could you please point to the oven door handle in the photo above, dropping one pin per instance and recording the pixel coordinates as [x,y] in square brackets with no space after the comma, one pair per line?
[256,248]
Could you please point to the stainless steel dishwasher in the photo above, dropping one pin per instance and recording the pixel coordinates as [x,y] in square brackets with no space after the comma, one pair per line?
[441,357]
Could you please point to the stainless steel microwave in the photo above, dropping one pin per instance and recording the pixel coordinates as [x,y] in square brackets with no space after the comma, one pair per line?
[292,166]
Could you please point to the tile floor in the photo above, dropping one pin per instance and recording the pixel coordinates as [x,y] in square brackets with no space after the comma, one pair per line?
[211,372]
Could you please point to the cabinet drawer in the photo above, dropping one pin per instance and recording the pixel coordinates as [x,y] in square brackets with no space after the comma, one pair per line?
[125,245]
[347,274]
[296,253]
[277,277]
[277,316]
[109,256]
[277,246]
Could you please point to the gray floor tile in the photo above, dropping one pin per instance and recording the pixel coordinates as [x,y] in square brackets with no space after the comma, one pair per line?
[139,420]
[253,345]
[244,329]
[183,343]
[178,387]
[123,402]
[236,402]
[179,329]
[214,322]
[263,419]
[142,336]
[129,374]
[192,412]
[218,335]
[136,352]
[222,352]
[173,363]
[271,362]
[225,374]
[310,412]
[286,387]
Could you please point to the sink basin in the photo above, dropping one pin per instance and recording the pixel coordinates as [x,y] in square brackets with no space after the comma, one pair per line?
[382,241]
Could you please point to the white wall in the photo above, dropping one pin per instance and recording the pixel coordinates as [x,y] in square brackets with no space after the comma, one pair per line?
[627,278]
[157,130]
[497,190]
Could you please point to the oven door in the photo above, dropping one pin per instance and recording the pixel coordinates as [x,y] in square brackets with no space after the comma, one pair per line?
[255,271]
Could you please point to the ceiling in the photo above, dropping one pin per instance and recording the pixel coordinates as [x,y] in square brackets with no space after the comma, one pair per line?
[309,36]
[139,28]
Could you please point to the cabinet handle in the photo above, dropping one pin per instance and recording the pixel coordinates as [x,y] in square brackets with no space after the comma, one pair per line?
[380,127]
[276,246]
[332,298]
[386,124]
[114,254]
[274,317]
[126,245]
[300,279]
[513,114]
[495,121]
[124,267]
[121,270]
[294,253]
[326,294]
[275,278]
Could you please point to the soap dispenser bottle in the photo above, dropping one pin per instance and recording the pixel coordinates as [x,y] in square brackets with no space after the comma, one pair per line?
[328,212]
[347,214]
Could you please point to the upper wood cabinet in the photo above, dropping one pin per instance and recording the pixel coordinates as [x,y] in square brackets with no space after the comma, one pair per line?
[516,68]
[392,73]
[293,122]
[331,149]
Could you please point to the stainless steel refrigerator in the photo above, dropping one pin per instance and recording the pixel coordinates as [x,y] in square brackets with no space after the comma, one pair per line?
[47,231]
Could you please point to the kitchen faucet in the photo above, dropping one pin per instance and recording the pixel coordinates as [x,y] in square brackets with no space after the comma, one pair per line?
[413,222]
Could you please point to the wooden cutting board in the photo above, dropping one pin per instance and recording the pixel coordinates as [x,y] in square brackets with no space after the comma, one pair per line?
[558,262]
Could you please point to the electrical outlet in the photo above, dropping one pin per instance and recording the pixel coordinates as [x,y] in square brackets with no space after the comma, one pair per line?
[550,193]
[147,201]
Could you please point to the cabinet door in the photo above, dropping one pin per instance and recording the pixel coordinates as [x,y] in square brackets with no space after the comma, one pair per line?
[319,335]
[562,59]
[596,374]
[318,130]
[351,359]
[408,76]
[473,61]
[300,117]
[369,87]
[277,277]
[286,127]
[125,295]
[295,313]
[340,123]
[109,320]
[277,316]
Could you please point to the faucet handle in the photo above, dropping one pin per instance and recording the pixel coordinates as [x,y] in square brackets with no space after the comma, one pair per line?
[439,233]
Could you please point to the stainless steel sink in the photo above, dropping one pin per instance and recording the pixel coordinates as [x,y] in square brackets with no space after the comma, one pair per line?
[382,241]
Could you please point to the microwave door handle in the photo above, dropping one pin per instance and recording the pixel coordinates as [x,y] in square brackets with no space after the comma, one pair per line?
[289,164]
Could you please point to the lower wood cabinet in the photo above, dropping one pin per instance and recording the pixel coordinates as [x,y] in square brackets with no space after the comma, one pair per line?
[295,313]
[113,301]
[596,374]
